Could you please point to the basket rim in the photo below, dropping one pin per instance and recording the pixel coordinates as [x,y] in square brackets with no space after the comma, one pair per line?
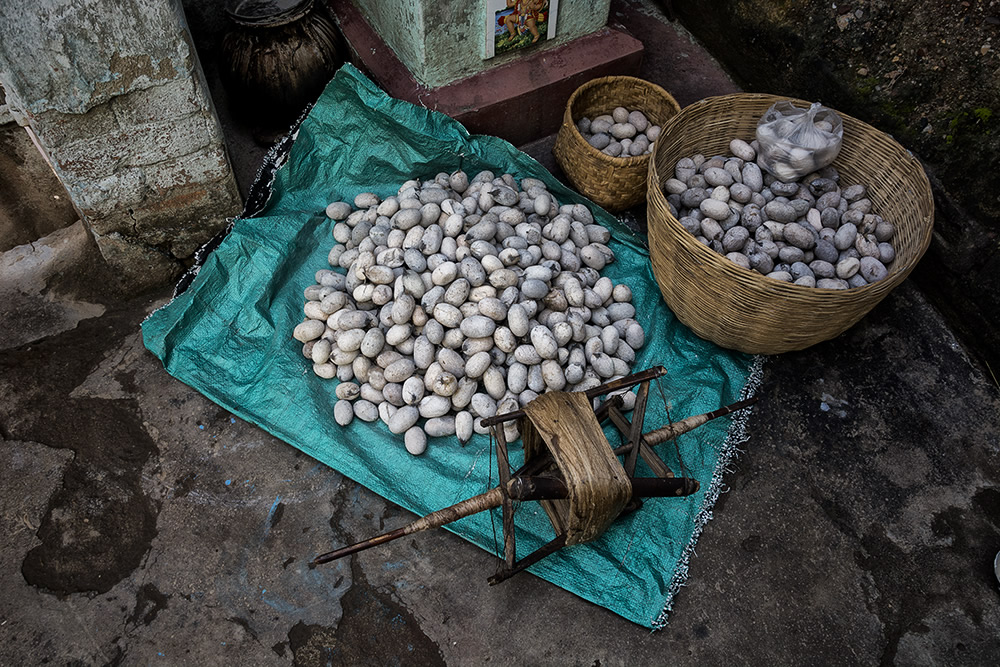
[703,253]
[577,137]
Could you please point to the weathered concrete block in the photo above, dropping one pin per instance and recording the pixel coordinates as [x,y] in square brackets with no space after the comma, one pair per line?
[187,181]
[118,220]
[186,218]
[182,136]
[205,166]
[61,128]
[5,115]
[166,102]
[73,55]
[135,146]
[97,198]
[95,156]
[177,222]
[144,267]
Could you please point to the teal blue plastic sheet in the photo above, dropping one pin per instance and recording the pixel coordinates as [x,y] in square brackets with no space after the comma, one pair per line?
[229,337]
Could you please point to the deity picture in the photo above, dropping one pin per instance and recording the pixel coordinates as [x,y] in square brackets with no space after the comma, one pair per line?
[516,24]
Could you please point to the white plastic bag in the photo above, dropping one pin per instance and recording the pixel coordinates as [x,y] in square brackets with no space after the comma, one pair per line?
[795,141]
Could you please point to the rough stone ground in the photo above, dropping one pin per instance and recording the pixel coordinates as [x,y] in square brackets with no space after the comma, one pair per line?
[142,524]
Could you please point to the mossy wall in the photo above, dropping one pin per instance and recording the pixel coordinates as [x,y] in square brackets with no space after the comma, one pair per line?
[928,73]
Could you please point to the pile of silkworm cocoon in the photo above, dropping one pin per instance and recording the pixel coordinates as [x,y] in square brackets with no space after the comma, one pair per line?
[811,232]
[456,300]
[622,133]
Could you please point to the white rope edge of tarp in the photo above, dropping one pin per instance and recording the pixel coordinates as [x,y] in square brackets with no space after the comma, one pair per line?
[736,436]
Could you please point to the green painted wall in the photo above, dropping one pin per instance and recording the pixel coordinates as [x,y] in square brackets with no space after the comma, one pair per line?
[442,41]
[401,24]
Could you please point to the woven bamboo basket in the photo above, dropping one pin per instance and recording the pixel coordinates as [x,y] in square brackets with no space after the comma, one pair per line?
[743,310]
[615,183]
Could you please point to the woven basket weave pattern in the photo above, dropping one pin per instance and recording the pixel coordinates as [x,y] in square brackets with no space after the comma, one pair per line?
[743,310]
[615,183]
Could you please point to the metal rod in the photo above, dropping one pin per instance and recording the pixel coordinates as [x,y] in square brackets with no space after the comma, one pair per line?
[538,488]
[483,501]
[659,487]
[361,546]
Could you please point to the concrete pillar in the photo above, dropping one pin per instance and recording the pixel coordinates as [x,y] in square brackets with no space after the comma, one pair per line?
[115,97]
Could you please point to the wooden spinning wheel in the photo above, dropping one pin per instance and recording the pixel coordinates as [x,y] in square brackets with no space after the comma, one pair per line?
[571,468]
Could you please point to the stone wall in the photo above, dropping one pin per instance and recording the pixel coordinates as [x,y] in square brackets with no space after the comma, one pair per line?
[442,41]
[117,100]
[927,73]
[33,202]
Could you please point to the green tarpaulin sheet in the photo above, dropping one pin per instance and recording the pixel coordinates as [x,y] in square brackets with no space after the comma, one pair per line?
[229,337]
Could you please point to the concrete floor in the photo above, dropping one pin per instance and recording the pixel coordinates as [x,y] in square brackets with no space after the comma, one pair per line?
[142,524]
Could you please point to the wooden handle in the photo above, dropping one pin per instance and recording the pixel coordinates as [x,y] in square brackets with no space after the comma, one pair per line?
[519,488]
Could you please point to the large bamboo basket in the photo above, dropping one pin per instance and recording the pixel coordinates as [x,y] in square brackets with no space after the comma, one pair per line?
[615,183]
[743,310]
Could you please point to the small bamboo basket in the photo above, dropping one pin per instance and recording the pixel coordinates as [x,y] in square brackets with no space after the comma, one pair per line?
[615,183]
[741,309]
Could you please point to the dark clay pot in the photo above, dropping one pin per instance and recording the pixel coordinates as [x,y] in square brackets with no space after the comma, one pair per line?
[277,58]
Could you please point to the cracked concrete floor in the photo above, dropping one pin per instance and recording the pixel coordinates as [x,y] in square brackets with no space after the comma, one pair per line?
[141,523]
